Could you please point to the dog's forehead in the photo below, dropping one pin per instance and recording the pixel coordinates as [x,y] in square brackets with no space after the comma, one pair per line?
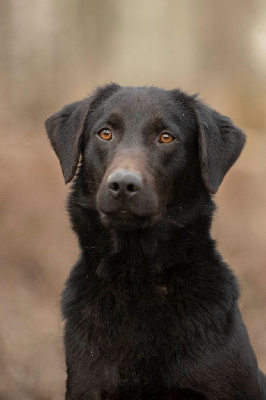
[146,107]
[148,101]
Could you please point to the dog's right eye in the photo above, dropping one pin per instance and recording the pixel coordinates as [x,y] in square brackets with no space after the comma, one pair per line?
[105,134]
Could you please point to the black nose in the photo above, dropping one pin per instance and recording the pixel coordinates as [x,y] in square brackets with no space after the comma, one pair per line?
[125,183]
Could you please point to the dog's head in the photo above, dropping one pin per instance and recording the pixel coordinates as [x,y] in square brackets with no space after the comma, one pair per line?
[142,148]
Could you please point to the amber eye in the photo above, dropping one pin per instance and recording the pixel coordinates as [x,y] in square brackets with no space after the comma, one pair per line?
[166,138]
[105,134]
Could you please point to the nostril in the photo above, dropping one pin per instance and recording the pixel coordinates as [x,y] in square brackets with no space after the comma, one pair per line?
[114,186]
[131,188]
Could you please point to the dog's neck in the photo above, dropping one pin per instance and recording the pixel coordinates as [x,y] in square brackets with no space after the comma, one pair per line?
[111,251]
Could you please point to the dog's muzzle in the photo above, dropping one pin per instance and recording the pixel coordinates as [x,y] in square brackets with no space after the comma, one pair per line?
[124,199]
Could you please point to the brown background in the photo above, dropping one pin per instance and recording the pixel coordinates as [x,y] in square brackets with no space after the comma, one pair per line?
[55,52]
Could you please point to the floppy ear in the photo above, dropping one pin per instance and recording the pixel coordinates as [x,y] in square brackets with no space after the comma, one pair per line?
[65,129]
[220,144]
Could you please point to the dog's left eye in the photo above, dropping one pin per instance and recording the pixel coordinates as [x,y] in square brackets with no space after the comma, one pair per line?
[166,137]
[105,134]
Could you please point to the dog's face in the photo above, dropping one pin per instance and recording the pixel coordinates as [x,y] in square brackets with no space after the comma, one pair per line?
[140,146]
[136,143]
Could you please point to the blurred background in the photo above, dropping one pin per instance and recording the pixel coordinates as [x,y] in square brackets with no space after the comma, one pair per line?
[56,51]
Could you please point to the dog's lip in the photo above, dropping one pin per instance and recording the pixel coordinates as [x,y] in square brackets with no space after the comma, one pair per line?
[126,220]
[121,215]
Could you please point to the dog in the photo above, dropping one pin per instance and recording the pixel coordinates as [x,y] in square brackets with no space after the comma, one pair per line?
[150,308]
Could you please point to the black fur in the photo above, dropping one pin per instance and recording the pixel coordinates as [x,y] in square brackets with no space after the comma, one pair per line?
[150,308]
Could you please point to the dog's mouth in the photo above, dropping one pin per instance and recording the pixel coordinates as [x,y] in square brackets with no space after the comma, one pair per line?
[127,221]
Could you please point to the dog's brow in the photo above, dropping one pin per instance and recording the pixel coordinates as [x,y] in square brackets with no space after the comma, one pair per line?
[115,119]
[157,123]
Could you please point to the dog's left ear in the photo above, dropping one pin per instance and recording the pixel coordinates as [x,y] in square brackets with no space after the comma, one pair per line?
[220,144]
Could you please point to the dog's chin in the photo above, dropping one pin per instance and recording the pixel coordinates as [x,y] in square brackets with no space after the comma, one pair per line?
[125,221]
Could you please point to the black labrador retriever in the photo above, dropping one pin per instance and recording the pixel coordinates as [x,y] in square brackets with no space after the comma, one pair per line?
[150,308]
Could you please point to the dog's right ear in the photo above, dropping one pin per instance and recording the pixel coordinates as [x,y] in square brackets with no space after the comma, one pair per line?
[65,128]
